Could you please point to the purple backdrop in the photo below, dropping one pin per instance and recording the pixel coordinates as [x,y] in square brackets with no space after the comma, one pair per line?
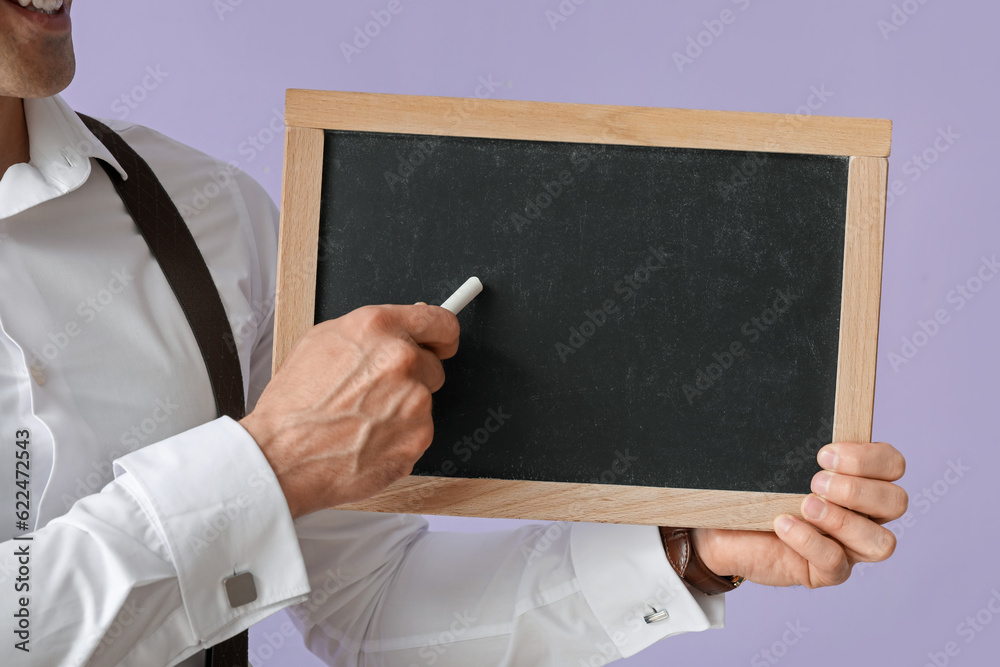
[213,74]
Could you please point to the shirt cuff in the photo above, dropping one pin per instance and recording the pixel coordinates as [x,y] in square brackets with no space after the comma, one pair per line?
[217,505]
[624,573]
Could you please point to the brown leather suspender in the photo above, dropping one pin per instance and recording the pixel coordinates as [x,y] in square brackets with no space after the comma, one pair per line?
[173,247]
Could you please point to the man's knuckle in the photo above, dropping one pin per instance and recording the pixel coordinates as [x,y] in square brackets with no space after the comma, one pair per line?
[850,488]
[374,319]
[422,319]
[809,542]
[420,401]
[420,441]
[835,565]
[439,378]
[850,458]
[842,572]
[837,519]
[405,354]
[415,406]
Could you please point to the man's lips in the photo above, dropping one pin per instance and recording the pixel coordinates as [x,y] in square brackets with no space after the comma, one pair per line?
[57,21]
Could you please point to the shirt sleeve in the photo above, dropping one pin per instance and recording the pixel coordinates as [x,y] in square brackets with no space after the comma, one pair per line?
[386,591]
[134,575]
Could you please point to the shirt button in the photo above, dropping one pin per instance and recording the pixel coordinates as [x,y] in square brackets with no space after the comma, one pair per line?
[38,375]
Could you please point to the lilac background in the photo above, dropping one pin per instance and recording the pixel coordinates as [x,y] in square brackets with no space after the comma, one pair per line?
[226,74]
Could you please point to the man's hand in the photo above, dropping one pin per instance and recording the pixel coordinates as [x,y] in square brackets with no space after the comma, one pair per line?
[859,482]
[349,411]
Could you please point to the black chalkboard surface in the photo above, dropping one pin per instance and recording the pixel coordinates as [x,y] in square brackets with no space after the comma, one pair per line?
[680,307]
[651,316]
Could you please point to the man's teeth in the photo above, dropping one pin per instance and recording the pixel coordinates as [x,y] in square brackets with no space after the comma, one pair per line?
[46,6]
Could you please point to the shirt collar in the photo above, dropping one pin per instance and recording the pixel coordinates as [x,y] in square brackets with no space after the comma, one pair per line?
[60,146]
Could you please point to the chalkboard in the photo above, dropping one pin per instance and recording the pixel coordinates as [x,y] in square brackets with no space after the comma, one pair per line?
[655,317]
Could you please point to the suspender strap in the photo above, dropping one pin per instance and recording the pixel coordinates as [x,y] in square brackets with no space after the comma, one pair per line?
[175,250]
[172,245]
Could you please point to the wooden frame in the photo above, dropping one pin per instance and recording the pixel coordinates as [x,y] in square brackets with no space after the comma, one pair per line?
[866,141]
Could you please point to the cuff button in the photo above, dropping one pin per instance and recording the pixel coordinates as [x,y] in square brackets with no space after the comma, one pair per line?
[661,615]
[241,589]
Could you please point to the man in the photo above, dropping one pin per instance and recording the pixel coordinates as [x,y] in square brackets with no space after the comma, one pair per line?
[127,562]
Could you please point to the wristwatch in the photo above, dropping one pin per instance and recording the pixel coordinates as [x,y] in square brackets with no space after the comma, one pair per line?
[689,567]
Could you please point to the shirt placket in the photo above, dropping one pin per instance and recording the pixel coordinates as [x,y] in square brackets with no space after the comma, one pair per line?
[61,438]
[19,396]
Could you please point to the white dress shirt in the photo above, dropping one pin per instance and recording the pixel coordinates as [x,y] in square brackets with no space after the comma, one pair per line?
[142,501]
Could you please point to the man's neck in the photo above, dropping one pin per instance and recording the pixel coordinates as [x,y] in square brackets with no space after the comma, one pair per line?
[13,133]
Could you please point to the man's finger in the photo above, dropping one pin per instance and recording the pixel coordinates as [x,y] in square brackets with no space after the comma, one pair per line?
[877,499]
[431,327]
[429,370]
[828,563]
[877,460]
[866,540]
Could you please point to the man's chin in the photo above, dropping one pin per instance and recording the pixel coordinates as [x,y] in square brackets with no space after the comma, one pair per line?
[43,82]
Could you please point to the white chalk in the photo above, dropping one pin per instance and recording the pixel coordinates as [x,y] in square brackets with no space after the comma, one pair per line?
[463,295]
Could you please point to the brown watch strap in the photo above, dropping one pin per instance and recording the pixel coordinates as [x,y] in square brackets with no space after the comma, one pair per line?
[689,567]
